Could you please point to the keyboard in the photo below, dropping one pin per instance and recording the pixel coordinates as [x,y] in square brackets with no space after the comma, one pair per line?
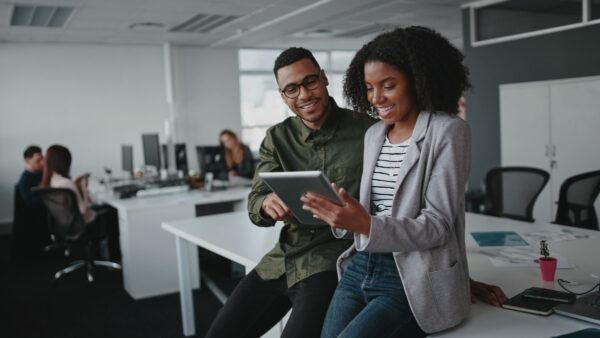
[126,191]
[162,190]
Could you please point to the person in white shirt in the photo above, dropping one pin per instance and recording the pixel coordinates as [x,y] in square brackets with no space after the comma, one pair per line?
[56,174]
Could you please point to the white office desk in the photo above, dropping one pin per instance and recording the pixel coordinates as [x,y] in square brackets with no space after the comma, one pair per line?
[489,321]
[230,235]
[235,237]
[149,261]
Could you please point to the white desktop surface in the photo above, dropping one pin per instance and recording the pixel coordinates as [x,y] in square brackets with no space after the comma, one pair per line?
[149,260]
[230,235]
[488,321]
[168,200]
[235,237]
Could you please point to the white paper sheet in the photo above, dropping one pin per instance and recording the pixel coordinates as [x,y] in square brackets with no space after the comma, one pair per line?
[520,256]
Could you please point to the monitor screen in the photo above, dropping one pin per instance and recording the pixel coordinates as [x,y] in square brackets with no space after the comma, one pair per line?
[210,159]
[127,158]
[180,157]
[165,156]
[151,150]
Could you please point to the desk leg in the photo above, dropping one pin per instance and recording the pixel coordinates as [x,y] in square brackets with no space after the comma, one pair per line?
[185,286]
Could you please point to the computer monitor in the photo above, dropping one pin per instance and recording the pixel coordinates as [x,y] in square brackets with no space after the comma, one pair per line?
[165,156]
[151,150]
[180,157]
[210,159]
[127,158]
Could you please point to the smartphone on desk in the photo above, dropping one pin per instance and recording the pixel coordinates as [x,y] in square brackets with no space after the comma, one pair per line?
[547,294]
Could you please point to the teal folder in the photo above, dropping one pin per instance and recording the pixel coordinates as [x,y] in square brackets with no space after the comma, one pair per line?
[498,238]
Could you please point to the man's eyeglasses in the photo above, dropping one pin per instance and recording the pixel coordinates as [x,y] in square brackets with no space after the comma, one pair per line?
[310,82]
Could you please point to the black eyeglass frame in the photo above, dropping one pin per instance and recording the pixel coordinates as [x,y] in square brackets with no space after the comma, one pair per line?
[304,84]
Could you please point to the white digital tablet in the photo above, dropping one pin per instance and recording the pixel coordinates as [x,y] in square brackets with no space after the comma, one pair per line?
[291,185]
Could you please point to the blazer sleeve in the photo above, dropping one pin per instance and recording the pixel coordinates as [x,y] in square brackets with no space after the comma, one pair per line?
[443,199]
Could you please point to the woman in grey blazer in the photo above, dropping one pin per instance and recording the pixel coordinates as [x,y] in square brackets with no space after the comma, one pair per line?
[406,273]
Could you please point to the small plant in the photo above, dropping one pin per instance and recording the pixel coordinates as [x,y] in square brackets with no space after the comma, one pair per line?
[544,249]
[547,264]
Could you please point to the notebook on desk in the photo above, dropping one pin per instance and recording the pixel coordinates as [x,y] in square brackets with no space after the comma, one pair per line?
[585,308]
[530,305]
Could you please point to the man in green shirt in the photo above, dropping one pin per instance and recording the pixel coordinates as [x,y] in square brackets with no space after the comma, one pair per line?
[299,272]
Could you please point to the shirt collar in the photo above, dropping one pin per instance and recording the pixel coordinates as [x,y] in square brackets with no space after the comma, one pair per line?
[328,128]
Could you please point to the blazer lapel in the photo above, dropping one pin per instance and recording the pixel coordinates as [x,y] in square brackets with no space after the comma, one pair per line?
[373,147]
[414,150]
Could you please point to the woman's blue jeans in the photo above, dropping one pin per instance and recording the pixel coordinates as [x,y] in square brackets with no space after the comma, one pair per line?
[370,301]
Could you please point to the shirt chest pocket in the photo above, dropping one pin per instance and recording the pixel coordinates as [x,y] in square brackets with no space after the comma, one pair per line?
[347,178]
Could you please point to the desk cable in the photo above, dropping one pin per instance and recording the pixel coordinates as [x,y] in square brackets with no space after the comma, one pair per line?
[561,281]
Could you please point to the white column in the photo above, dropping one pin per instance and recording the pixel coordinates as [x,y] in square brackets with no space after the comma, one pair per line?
[170,122]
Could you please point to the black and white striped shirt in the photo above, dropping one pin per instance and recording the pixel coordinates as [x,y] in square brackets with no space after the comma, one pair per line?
[385,176]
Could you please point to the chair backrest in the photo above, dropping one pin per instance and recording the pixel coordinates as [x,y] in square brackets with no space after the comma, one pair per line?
[512,191]
[66,222]
[576,200]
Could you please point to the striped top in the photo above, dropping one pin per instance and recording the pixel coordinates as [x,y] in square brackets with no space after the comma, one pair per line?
[385,176]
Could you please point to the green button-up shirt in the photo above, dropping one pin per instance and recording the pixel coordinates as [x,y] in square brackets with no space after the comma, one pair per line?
[337,150]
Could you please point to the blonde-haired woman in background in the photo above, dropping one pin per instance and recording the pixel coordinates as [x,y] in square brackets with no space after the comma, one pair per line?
[238,157]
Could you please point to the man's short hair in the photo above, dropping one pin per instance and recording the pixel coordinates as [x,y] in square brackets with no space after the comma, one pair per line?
[291,55]
[30,151]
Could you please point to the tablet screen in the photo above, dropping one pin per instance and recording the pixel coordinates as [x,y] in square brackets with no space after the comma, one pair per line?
[291,185]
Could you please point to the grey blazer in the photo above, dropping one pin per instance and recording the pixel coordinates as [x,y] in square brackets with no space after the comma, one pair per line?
[426,231]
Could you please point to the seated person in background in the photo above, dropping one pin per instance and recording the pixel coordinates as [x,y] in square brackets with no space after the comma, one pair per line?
[56,175]
[31,176]
[30,230]
[238,157]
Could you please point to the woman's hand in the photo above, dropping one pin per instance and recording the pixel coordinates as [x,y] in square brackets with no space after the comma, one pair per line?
[490,294]
[350,216]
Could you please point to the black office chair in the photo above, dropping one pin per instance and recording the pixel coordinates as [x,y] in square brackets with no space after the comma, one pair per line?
[512,191]
[69,229]
[30,232]
[576,201]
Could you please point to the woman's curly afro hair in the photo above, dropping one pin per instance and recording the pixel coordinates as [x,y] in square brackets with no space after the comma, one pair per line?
[433,65]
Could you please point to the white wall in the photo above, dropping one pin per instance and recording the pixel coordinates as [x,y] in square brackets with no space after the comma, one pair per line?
[93,98]
[207,96]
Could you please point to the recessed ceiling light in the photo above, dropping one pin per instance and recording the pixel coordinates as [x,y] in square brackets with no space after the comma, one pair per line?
[147,26]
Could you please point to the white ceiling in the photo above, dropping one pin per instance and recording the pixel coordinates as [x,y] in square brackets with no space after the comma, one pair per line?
[262,23]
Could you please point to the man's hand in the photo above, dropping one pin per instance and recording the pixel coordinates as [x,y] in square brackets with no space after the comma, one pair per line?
[275,208]
[490,294]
